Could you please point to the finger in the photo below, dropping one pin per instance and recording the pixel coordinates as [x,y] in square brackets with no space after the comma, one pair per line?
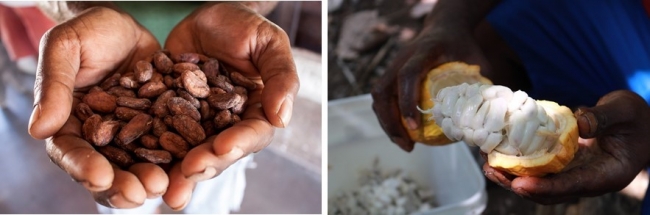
[57,68]
[409,81]
[78,158]
[279,75]
[613,109]
[153,178]
[209,160]
[501,178]
[389,118]
[385,106]
[126,192]
[180,189]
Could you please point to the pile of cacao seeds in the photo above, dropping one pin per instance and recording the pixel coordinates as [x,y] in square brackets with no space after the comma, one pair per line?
[163,108]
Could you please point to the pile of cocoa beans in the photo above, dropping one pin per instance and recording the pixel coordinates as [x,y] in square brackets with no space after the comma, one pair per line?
[162,108]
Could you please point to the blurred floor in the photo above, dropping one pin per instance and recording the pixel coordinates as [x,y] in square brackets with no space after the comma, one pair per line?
[283,182]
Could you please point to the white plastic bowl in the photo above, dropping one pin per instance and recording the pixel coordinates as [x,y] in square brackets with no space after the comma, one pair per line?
[356,139]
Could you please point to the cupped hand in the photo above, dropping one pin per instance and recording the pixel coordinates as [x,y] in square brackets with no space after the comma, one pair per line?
[75,55]
[397,93]
[614,149]
[247,43]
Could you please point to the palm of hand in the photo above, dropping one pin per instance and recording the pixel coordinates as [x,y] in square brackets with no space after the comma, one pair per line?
[105,41]
[251,45]
[607,162]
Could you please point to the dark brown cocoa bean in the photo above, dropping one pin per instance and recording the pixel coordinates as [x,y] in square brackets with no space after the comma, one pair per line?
[186,57]
[239,79]
[178,83]
[178,105]
[153,156]
[185,95]
[105,132]
[83,111]
[159,107]
[117,156]
[157,77]
[136,127]
[135,103]
[220,81]
[222,119]
[241,106]
[169,81]
[225,101]
[205,111]
[182,67]
[241,91]
[151,89]
[149,141]
[216,91]
[189,129]
[196,85]
[100,101]
[118,91]
[209,128]
[169,122]
[143,71]
[109,117]
[112,81]
[159,127]
[128,81]
[90,126]
[174,144]
[211,68]
[125,113]
[162,63]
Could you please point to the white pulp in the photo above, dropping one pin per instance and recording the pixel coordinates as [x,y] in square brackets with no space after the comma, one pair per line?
[492,117]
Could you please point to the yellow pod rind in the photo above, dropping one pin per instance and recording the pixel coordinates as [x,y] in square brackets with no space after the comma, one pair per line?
[543,162]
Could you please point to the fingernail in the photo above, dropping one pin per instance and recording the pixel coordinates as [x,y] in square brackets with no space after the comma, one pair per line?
[411,124]
[36,114]
[208,173]
[90,186]
[285,111]
[588,120]
[119,199]
[187,200]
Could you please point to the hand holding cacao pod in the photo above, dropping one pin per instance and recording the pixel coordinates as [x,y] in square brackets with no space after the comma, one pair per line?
[614,150]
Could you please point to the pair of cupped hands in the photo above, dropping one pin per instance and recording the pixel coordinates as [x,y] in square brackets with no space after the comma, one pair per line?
[614,144]
[100,41]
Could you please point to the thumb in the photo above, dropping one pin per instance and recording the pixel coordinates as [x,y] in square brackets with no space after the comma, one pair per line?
[58,64]
[280,80]
[610,113]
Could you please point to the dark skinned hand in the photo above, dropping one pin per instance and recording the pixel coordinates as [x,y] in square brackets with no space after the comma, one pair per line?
[614,149]
[250,44]
[74,55]
[397,93]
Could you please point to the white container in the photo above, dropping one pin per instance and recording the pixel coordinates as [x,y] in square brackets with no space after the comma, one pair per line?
[356,139]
